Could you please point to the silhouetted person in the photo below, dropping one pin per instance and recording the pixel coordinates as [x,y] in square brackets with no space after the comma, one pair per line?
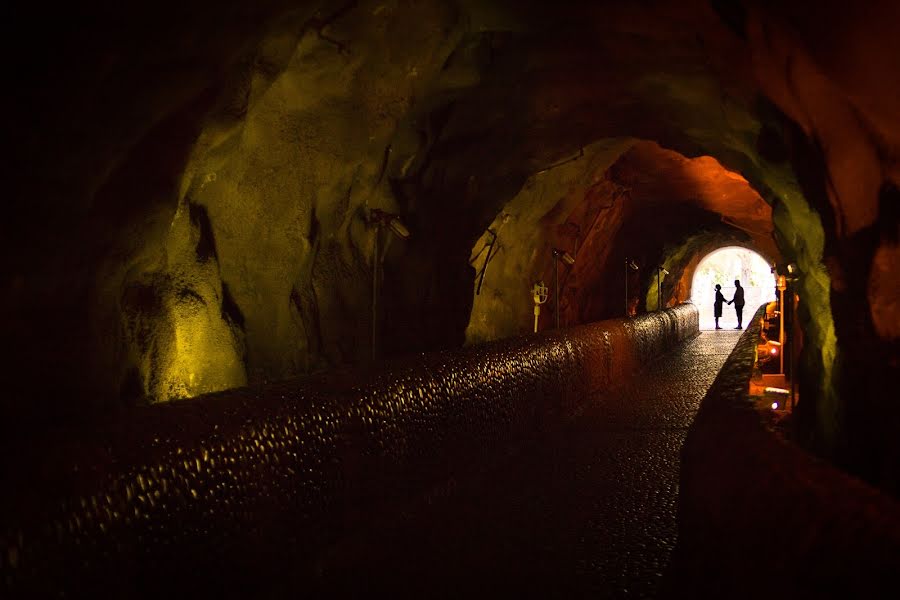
[738,302]
[717,305]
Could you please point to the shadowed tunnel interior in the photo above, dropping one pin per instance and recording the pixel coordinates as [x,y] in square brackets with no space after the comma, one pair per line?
[204,197]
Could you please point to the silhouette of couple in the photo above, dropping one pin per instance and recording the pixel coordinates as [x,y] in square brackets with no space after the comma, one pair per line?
[738,301]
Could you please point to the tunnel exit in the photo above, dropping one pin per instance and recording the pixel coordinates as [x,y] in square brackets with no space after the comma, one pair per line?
[722,267]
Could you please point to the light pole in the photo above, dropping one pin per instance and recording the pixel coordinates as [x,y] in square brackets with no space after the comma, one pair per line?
[559,255]
[782,284]
[378,218]
[790,279]
[659,272]
[629,266]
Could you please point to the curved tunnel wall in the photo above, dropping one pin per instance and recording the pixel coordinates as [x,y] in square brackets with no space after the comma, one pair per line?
[759,514]
[259,477]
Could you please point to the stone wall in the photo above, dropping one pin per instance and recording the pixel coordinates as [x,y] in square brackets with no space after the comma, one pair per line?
[227,489]
[761,517]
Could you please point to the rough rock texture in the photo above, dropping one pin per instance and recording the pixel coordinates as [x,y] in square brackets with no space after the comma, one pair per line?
[190,179]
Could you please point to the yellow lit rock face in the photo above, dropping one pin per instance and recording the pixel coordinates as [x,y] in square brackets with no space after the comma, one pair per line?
[203,355]
[181,327]
[292,179]
[267,267]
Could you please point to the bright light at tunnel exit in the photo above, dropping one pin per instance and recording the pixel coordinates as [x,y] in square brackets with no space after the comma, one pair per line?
[723,266]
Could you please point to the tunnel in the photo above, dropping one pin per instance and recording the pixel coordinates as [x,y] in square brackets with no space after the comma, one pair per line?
[720,268]
[413,297]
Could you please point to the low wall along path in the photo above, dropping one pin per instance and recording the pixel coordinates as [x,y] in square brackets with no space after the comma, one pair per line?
[264,486]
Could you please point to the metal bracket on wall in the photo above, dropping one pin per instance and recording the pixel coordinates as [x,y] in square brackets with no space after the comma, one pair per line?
[491,253]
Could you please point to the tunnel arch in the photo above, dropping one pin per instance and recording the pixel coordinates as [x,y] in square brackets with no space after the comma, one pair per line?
[755,274]
[614,199]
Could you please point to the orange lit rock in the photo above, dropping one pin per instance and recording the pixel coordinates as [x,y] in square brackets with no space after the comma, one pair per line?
[884,291]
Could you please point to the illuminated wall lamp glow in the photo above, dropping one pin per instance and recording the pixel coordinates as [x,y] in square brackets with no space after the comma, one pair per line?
[778,392]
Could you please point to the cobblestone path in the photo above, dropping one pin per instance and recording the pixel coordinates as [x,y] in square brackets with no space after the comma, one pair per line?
[588,514]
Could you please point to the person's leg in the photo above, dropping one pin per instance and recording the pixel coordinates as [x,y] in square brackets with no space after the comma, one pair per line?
[740,316]
[717,323]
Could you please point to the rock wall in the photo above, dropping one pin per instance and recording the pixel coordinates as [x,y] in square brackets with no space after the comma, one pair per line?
[758,515]
[841,91]
[613,199]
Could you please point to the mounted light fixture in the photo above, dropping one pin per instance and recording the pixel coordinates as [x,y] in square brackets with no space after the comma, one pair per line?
[660,271]
[630,265]
[565,257]
[492,249]
[793,275]
[379,219]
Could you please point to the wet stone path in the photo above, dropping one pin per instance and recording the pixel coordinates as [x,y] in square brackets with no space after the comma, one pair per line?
[588,514]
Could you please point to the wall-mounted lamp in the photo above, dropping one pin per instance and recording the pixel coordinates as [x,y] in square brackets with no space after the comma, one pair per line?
[379,219]
[781,286]
[630,265]
[793,274]
[660,271]
[568,259]
[563,256]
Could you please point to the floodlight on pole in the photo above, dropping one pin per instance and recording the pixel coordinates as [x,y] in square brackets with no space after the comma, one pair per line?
[568,259]
[791,277]
[379,219]
[630,265]
[782,285]
[660,271]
